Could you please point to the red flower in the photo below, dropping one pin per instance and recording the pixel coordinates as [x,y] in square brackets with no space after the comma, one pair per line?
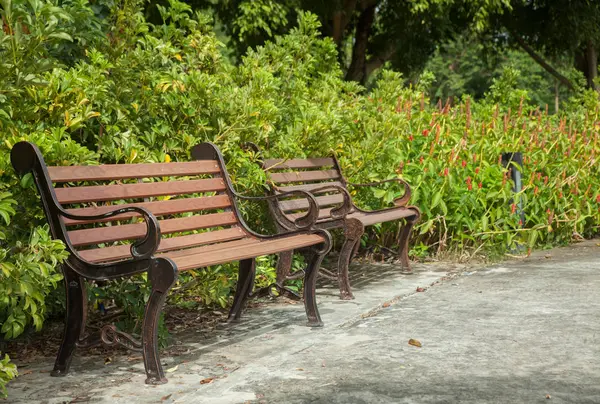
[513,208]
[421,159]
[476,170]
[598,198]
[560,194]
[410,137]
[545,180]
[480,185]
[425,132]
[474,158]
[464,164]
[535,190]
[446,172]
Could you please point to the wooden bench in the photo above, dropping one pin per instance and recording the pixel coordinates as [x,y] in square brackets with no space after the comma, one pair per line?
[323,178]
[197,210]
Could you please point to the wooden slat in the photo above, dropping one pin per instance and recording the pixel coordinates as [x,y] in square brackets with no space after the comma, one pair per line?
[280,164]
[228,254]
[367,219]
[385,216]
[309,187]
[138,230]
[99,193]
[158,208]
[120,252]
[304,176]
[302,203]
[109,172]
[324,214]
[239,243]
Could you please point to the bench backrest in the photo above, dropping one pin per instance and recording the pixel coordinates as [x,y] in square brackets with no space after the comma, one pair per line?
[306,175]
[188,198]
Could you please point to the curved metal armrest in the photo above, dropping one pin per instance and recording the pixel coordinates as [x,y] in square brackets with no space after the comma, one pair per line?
[346,206]
[141,249]
[303,222]
[402,201]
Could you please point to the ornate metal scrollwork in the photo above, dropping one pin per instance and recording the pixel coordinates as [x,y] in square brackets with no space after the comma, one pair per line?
[111,336]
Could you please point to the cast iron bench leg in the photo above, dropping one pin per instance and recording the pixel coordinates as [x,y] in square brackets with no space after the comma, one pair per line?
[314,258]
[344,260]
[245,283]
[353,231]
[74,322]
[404,238]
[284,266]
[162,275]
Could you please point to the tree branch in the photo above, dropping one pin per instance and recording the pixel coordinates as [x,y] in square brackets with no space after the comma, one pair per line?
[542,62]
[378,60]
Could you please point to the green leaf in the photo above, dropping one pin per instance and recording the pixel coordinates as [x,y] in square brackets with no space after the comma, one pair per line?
[436,199]
[61,35]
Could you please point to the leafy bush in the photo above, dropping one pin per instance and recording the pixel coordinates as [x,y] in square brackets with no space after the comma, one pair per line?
[8,371]
[146,93]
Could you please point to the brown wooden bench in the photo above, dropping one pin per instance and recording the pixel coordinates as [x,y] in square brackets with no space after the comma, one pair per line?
[199,226]
[323,178]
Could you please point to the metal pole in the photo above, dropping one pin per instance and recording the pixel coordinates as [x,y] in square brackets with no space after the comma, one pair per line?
[515,173]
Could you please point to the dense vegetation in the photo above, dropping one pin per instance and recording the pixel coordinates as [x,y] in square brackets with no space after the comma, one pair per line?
[98,83]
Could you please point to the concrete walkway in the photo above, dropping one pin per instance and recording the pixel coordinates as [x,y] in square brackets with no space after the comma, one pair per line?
[524,331]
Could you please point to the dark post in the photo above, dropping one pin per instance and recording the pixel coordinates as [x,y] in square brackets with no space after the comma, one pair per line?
[515,173]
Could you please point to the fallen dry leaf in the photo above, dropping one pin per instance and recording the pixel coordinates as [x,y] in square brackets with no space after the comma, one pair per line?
[171,370]
[166,397]
[207,380]
[387,304]
[419,289]
[25,372]
[300,369]
[414,342]
[548,397]
[107,360]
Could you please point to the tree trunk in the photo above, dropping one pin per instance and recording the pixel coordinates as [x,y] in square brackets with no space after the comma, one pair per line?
[540,60]
[341,18]
[586,61]
[592,65]
[556,98]
[357,69]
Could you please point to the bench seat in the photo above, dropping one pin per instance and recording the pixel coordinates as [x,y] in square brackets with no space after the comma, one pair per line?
[121,220]
[324,179]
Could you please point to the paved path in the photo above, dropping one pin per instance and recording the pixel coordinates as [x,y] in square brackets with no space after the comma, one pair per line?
[524,331]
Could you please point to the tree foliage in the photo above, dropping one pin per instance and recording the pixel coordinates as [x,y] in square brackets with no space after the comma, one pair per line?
[125,90]
[553,30]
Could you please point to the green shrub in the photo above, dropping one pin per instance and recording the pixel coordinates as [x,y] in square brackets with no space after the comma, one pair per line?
[147,93]
[8,371]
